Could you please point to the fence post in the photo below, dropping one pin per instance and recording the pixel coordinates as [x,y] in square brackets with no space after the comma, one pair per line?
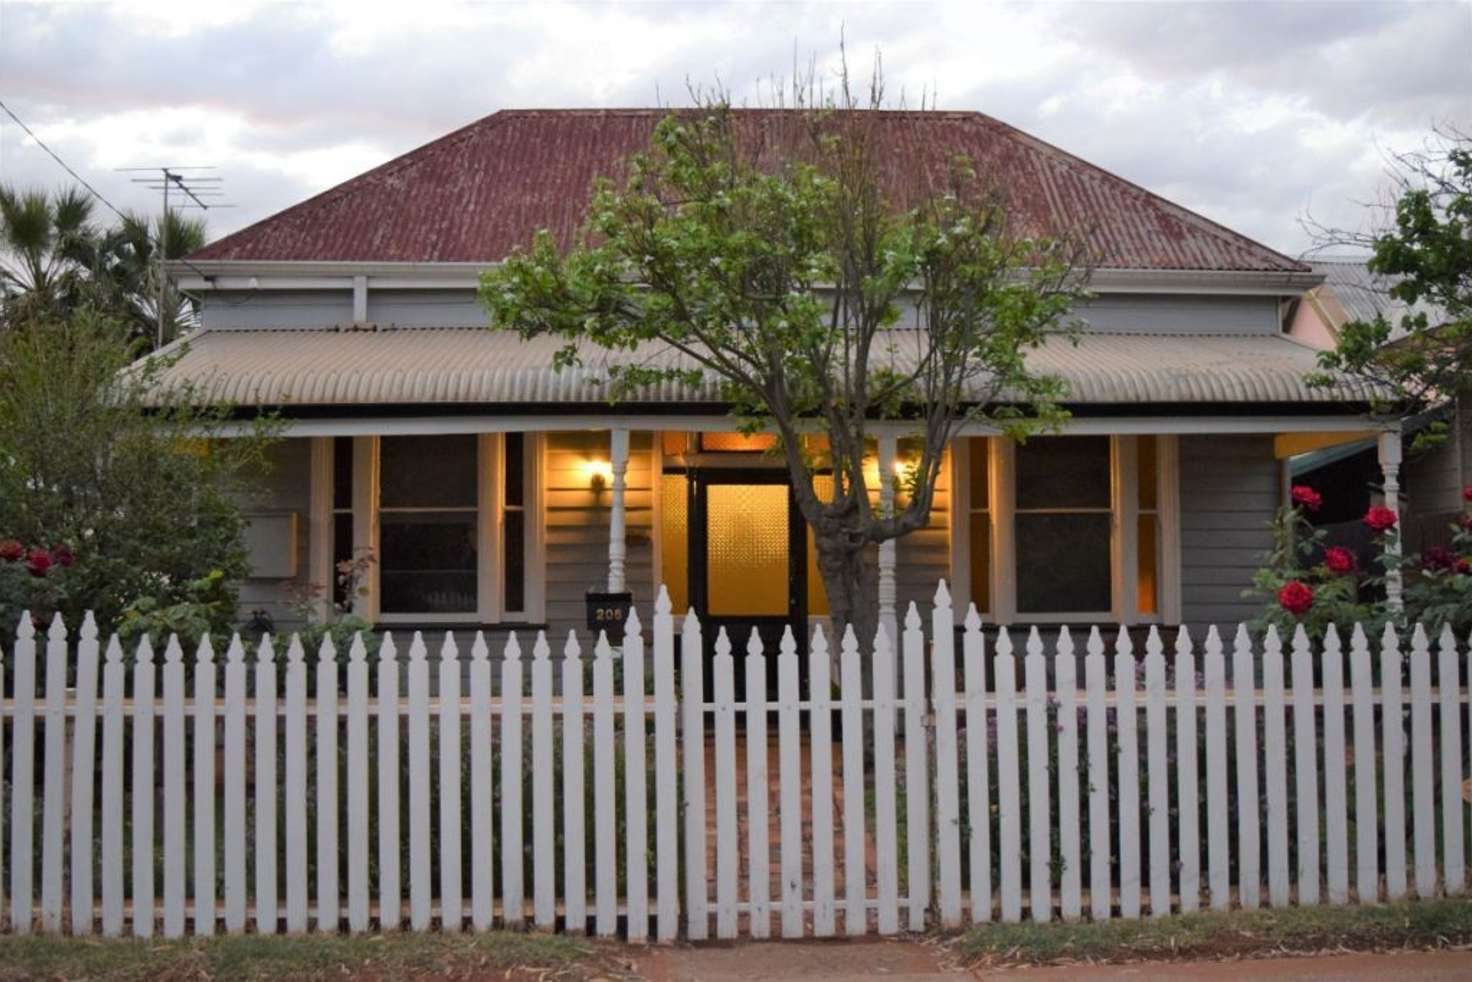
[1423,798]
[605,858]
[1095,672]
[1127,717]
[265,789]
[1217,806]
[1244,719]
[1366,803]
[53,814]
[23,778]
[544,839]
[482,793]
[1305,768]
[204,789]
[294,801]
[512,869]
[947,777]
[112,790]
[357,775]
[1393,757]
[1040,844]
[390,886]
[692,657]
[451,914]
[84,774]
[1454,863]
[1009,808]
[885,830]
[1065,673]
[850,693]
[1275,753]
[917,771]
[421,886]
[636,797]
[759,850]
[145,691]
[1158,779]
[174,830]
[978,782]
[821,749]
[234,775]
[574,851]
[727,859]
[666,805]
[1335,817]
[1186,774]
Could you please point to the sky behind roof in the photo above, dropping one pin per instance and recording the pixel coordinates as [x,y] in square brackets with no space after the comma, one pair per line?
[1255,114]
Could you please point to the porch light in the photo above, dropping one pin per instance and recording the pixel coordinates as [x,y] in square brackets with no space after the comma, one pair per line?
[600,475]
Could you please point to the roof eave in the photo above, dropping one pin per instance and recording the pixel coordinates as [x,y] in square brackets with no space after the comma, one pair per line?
[251,274]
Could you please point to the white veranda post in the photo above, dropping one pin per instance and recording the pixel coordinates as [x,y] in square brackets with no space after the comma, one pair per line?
[617,542]
[1390,457]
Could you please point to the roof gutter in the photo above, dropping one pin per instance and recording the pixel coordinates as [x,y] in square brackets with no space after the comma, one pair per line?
[213,275]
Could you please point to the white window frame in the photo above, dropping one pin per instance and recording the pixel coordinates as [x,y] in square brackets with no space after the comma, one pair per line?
[490,515]
[1124,498]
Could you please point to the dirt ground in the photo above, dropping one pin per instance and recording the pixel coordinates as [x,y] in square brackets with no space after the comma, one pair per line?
[916,961]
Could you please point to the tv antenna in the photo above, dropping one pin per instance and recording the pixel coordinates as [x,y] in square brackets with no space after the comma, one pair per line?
[196,188]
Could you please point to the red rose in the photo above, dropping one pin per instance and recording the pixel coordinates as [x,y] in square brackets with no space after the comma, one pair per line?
[1296,597]
[11,550]
[1464,566]
[63,556]
[1438,558]
[1380,519]
[1467,493]
[38,562]
[1339,560]
[1307,498]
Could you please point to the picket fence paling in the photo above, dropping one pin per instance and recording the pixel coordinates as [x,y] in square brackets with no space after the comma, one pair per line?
[502,770]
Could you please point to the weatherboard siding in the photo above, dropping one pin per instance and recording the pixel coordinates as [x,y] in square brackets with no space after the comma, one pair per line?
[1228,493]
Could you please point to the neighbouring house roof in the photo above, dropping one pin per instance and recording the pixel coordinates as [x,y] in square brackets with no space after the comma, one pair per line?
[1350,292]
[480,192]
[460,366]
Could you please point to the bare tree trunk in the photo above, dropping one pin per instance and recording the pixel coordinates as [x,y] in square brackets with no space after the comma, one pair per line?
[852,580]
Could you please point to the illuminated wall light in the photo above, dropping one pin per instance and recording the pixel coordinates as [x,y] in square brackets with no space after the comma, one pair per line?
[599,473]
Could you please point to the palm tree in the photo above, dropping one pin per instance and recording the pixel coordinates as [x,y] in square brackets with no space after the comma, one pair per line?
[48,245]
[131,257]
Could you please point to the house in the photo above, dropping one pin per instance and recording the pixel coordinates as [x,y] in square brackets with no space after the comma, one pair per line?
[496,492]
[1433,478]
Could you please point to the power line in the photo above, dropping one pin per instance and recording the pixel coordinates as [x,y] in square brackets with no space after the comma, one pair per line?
[64,165]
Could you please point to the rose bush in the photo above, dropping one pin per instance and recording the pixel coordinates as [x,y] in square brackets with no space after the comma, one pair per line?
[1306,582]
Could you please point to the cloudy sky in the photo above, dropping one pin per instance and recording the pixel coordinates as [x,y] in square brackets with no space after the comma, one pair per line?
[1255,114]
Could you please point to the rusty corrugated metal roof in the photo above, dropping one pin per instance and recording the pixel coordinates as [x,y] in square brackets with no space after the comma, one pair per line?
[480,192]
[458,366]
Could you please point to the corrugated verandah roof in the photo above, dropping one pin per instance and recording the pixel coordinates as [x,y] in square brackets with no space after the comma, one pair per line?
[480,192]
[459,366]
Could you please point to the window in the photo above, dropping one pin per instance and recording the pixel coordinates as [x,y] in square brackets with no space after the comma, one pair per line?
[427,525]
[1063,524]
[1067,527]
[451,519]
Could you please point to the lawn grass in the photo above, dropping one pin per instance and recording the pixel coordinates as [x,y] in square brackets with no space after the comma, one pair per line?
[1420,924]
[306,957]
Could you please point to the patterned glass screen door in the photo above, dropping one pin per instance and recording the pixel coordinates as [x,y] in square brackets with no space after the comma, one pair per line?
[748,550]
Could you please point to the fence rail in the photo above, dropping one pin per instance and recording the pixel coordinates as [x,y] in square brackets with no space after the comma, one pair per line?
[976,780]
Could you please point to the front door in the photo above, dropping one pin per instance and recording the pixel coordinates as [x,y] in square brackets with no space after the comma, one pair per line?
[747,565]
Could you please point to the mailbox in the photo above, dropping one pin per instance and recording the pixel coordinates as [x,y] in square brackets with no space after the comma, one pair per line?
[608,611]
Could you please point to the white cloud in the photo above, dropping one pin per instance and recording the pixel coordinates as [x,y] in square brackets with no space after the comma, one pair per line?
[1251,113]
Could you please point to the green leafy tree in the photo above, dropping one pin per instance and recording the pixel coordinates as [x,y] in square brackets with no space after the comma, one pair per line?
[115,495]
[786,268]
[130,252]
[1421,350]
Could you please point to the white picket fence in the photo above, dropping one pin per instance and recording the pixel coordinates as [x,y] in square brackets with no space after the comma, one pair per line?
[289,807]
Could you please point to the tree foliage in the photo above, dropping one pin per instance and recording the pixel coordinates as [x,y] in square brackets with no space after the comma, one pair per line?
[115,495]
[773,256]
[1421,351]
